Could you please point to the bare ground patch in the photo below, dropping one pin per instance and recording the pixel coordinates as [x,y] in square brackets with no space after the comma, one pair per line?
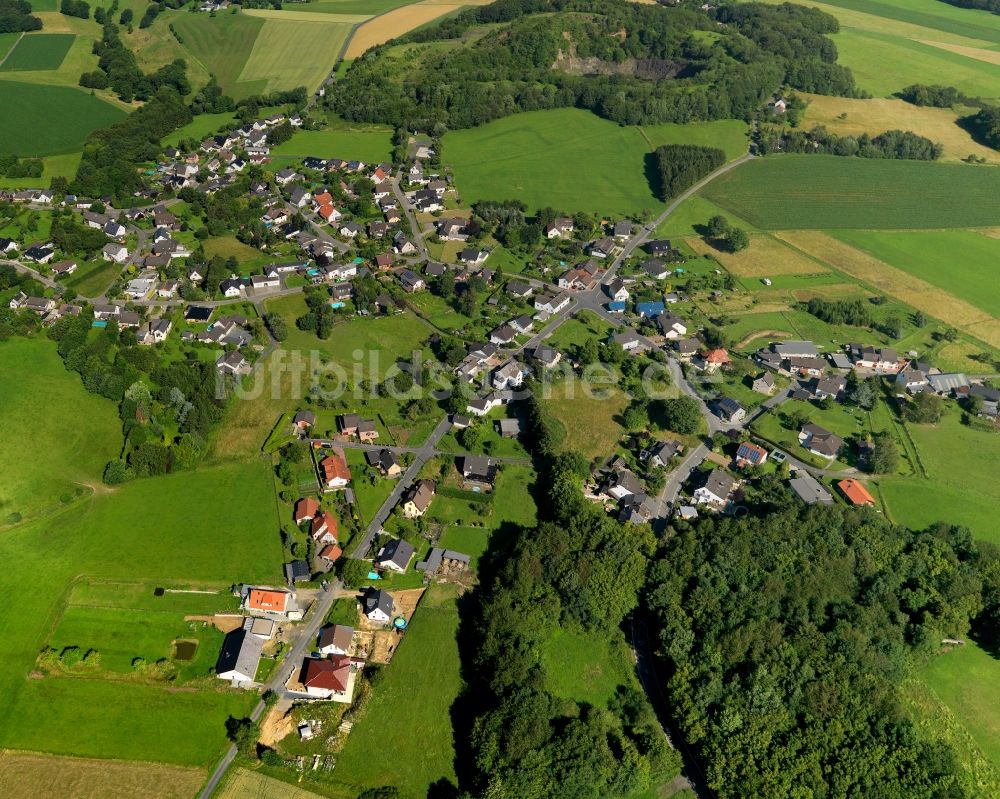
[765,257]
[28,775]
[890,280]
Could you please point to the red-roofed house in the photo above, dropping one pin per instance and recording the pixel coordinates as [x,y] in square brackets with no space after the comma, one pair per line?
[305,509]
[330,678]
[324,528]
[336,474]
[331,553]
[714,359]
[750,455]
[855,492]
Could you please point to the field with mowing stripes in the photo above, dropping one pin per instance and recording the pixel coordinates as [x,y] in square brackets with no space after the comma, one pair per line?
[39,51]
[222,44]
[26,775]
[571,159]
[826,192]
[295,52]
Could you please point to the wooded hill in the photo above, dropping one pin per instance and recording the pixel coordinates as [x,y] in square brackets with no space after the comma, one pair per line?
[633,64]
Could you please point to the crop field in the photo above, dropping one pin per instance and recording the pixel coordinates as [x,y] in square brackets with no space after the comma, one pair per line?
[531,157]
[80,444]
[213,526]
[765,257]
[398,21]
[960,262]
[294,49]
[26,775]
[30,108]
[223,45]
[38,52]
[914,291]
[340,139]
[849,117]
[410,711]
[829,192]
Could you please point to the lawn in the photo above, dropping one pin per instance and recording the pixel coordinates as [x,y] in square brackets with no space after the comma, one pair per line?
[200,127]
[28,112]
[79,435]
[579,329]
[39,52]
[93,279]
[278,56]
[350,141]
[517,157]
[960,262]
[586,667]
[592,423]
[820,191]
[369,498]
[951,454]
[230,246]
[409,716]
[691,216]
[213,527]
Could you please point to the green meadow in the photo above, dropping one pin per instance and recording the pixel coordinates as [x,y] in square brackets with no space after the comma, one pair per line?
[960,485]
[586,667]
[571,160]
[208,528]
[40,51]
[961,262]
[29,111]
[830,192]
[67,453]
[340,139]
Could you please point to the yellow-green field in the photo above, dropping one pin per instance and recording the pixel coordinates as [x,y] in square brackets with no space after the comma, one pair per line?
[849,117]
[295,48]
[27,775]
[765,257]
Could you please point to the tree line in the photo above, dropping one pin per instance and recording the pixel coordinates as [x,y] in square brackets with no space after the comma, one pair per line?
[893,144]
[524,65]
[118,69]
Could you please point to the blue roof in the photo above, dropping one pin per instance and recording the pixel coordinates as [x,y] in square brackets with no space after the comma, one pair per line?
[650,308]
[617,305]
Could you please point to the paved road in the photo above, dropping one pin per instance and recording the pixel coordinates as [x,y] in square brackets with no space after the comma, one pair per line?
[422,455]
[302,644]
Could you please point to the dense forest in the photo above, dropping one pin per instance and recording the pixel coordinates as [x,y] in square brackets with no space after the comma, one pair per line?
[680,166]
[630,63]
[578,570]
[980,5]
[786,638]
[16,16]
[112,155]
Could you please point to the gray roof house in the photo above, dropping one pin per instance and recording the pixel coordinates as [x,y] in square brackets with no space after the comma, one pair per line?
[395,555]
[239,657]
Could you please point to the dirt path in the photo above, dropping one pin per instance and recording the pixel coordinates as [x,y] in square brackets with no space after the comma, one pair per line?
[760,334]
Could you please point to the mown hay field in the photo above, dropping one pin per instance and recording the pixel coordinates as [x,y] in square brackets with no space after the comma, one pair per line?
[28,775]
[963,263]
[849,117]
[765,257]
[295,52]
[245,784]
[792,192]
[912,290]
